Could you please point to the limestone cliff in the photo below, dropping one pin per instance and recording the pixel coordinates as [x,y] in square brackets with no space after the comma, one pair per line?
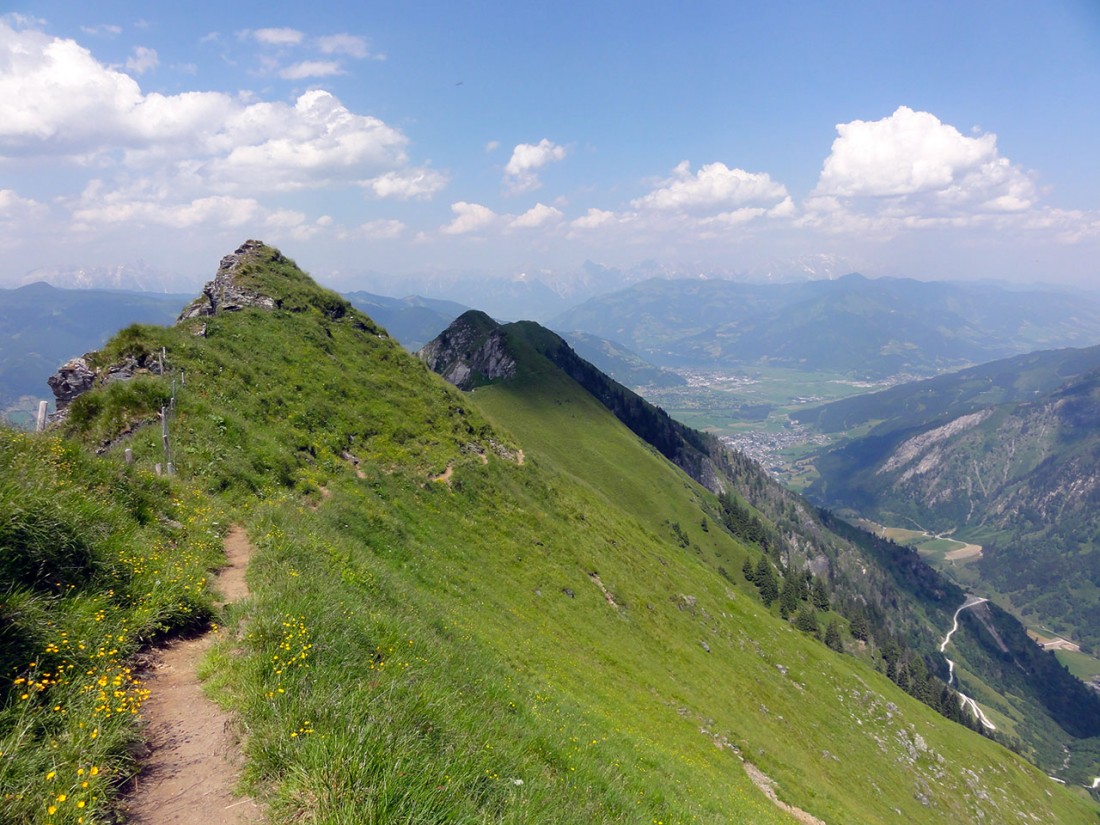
[470,352]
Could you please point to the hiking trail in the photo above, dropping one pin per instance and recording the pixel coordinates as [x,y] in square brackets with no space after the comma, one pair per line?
[194,760]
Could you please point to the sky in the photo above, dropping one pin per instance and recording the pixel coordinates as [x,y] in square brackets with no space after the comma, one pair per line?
[935,140]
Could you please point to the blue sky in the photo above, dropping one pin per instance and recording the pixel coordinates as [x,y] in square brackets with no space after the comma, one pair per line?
[932,140]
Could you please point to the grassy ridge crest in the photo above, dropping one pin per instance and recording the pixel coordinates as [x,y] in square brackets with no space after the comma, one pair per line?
[507,641]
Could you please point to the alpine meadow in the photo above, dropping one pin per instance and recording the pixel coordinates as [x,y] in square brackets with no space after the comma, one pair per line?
[537,599]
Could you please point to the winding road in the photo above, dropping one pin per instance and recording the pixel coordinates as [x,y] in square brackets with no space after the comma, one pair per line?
[966,701]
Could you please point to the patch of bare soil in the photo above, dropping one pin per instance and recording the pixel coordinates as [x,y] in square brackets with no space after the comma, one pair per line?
[193,762]
[766,784]
[967,551]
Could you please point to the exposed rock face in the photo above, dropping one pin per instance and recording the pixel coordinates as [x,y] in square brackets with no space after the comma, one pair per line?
[224,294]
[71,379]
[76,376]
[470,352]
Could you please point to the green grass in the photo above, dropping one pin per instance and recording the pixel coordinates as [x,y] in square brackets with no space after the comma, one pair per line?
[545,642]
[96,562]
[1081,665]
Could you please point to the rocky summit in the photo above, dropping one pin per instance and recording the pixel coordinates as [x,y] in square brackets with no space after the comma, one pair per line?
[225,293]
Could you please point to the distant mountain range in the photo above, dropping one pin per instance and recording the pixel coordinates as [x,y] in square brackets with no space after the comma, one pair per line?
[1004,455]
[41,327]
[411,320]
[853,325]
[139,277]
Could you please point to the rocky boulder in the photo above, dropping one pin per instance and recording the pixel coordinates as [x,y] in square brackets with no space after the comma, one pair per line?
[71,379]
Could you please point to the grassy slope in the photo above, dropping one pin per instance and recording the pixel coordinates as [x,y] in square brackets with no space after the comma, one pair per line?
[410,653]
[96,560]
[595,449]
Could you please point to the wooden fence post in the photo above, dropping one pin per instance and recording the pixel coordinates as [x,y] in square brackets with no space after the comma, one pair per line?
[164,439]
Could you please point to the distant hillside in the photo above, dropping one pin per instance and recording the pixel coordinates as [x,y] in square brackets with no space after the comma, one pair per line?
[901,597]
[1019,478]
[622,364]
[41,327]
[412,320]
[1021,378]
[853,325]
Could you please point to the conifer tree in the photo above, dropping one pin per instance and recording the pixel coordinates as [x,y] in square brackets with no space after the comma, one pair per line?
[806,620]
[820,595]
[788,598]
[765,582]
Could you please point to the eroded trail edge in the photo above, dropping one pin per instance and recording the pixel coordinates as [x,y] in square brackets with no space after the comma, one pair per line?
[194,759]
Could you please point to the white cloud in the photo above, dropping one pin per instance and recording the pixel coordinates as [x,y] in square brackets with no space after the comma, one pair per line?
[311,68]
[105,29]
[348,44]
[385,229]
[218,210]
[142,60]
[715,185]
[492,146]
[538,215]
[19,217]
[57,101]
[521,171]
[594,219]
[276,36]
[469,217]
[407,183]
[910,168]
[315,142]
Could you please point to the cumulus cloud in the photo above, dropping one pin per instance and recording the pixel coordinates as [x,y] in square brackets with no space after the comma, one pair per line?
[104,29]
[594,219]
[714,186]
[217,210]
[521,173]
[469,217]
[538,215]
[312,143]
[911,169]
[23,221]
[384,229]
[142,60]
[276,36]
[348,44]
[311,68]
[56,100]
[182,161]
[407,184]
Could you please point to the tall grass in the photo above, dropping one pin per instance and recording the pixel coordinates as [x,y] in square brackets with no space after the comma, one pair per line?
[95,562]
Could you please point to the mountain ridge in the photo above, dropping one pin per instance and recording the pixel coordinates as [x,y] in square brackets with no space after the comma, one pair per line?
[439,632]
[853,325]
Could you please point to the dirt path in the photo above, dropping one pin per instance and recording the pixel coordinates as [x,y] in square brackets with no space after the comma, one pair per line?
[194,760]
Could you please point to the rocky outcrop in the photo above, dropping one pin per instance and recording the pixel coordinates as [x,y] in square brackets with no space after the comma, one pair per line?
[76,376]
[472,351]
[224,293]
[72,378]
